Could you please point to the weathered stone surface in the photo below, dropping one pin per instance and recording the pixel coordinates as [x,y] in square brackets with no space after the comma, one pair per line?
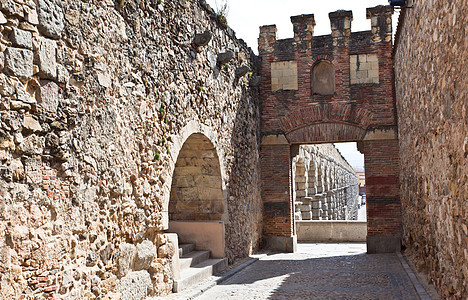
[98,174]
[19,105]
[242,71]
[21,38]
[225,57]
[22,95]
[46,58]
[431,93]
[203,39]
[31,15]
[19,62]
[48,95]
[145,252]
[51,21]
[6,140]
[91,259]
[12,8]
[30,123]
[17,169]
[126,257]
[3,20]
[32,144]
[33,170]
[135,286]
[108,285]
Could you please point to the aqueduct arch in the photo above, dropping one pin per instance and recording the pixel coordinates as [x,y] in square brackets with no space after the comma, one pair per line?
[356,105]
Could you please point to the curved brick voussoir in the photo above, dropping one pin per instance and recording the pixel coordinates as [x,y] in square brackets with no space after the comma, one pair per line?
[325,132]
[328,113]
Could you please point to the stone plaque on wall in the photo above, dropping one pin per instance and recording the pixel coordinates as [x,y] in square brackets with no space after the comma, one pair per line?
[364,68]
[284,75]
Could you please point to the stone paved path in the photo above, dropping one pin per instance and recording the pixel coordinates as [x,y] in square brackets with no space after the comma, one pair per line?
[320,271]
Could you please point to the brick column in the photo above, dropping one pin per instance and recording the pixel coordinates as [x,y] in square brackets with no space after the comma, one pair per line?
[383,198]
[278,219]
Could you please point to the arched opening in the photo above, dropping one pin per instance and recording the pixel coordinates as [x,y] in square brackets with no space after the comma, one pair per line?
[323,78]
[327,203]
[196,204]
[196,191]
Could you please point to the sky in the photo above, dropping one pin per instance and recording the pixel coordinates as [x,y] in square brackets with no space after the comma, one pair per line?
[246,16]
[351,154]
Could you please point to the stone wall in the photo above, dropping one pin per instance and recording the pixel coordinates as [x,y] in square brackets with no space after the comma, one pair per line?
[97,100]
[326,186]
[430,58]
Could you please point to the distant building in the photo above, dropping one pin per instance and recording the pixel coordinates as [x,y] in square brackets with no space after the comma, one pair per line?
[361,181]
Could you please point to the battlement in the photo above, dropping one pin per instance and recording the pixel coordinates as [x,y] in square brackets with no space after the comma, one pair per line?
[340,23]
[303,27]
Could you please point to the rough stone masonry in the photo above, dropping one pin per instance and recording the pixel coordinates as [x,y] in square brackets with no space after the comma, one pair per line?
[99,98]
[430,57]
[96,100]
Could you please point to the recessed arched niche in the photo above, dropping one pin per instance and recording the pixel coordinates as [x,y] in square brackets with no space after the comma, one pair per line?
[323,78]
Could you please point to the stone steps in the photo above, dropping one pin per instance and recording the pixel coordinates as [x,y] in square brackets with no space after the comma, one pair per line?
[193,258]
[185,248]
[196,266]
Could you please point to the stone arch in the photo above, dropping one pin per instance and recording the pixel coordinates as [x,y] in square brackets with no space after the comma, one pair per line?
[326,133]
[323,78]
[193,127]
[196,189]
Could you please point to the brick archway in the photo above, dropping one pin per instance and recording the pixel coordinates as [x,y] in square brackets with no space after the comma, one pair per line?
[361,109]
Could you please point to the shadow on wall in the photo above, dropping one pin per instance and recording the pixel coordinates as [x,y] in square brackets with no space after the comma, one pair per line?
[244,203]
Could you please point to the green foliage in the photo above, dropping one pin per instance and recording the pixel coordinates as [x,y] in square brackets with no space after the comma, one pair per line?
[222,11]
[157,155]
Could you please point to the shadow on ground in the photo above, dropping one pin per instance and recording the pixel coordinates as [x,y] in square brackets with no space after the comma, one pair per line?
[303,275]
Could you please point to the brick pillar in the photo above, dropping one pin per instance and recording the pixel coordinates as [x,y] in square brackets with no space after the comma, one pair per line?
[381,22]
[303,27]
[278,210]
[267,38]
[383,199]
[340,22]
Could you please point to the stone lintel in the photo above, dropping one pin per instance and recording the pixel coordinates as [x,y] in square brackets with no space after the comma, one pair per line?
[381,134]
[274,139]
[285,244]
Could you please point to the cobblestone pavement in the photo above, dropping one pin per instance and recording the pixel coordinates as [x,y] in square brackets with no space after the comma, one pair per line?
[320,271]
